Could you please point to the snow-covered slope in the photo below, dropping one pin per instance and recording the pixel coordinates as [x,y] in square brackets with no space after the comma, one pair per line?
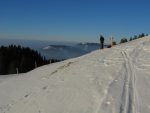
[115,80]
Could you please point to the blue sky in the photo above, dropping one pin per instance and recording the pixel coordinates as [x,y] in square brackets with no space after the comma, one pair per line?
[73,20]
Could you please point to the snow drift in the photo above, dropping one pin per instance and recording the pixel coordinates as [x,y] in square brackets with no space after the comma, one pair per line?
[115,80]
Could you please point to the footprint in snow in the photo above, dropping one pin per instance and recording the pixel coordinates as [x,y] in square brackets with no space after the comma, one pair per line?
[44,88]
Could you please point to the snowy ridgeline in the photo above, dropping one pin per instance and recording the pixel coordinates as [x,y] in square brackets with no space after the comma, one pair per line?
[115,80]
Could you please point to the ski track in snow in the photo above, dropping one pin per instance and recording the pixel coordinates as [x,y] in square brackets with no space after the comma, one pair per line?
[130,98]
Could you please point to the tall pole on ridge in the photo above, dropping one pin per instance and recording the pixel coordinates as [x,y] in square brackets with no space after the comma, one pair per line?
[111,40]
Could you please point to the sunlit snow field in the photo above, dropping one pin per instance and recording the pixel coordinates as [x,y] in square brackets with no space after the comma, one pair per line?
[114,80]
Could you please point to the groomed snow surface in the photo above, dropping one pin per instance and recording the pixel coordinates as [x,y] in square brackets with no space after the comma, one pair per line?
[115,80]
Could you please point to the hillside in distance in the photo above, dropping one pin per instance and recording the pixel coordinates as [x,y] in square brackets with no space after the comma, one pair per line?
[113,80]
[68,51]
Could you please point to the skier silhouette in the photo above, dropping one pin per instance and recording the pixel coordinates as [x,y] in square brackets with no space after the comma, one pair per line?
[101,41]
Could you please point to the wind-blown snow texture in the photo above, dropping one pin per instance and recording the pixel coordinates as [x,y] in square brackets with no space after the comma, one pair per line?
[115,80]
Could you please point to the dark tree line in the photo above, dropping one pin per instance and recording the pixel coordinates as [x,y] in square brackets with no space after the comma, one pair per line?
[19,59]
[138,36]
[123,40]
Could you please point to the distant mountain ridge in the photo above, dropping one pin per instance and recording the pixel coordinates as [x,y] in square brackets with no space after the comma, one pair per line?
[54,49]
[68,51]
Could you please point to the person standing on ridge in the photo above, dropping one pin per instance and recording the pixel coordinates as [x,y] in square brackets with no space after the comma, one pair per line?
[101,41]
